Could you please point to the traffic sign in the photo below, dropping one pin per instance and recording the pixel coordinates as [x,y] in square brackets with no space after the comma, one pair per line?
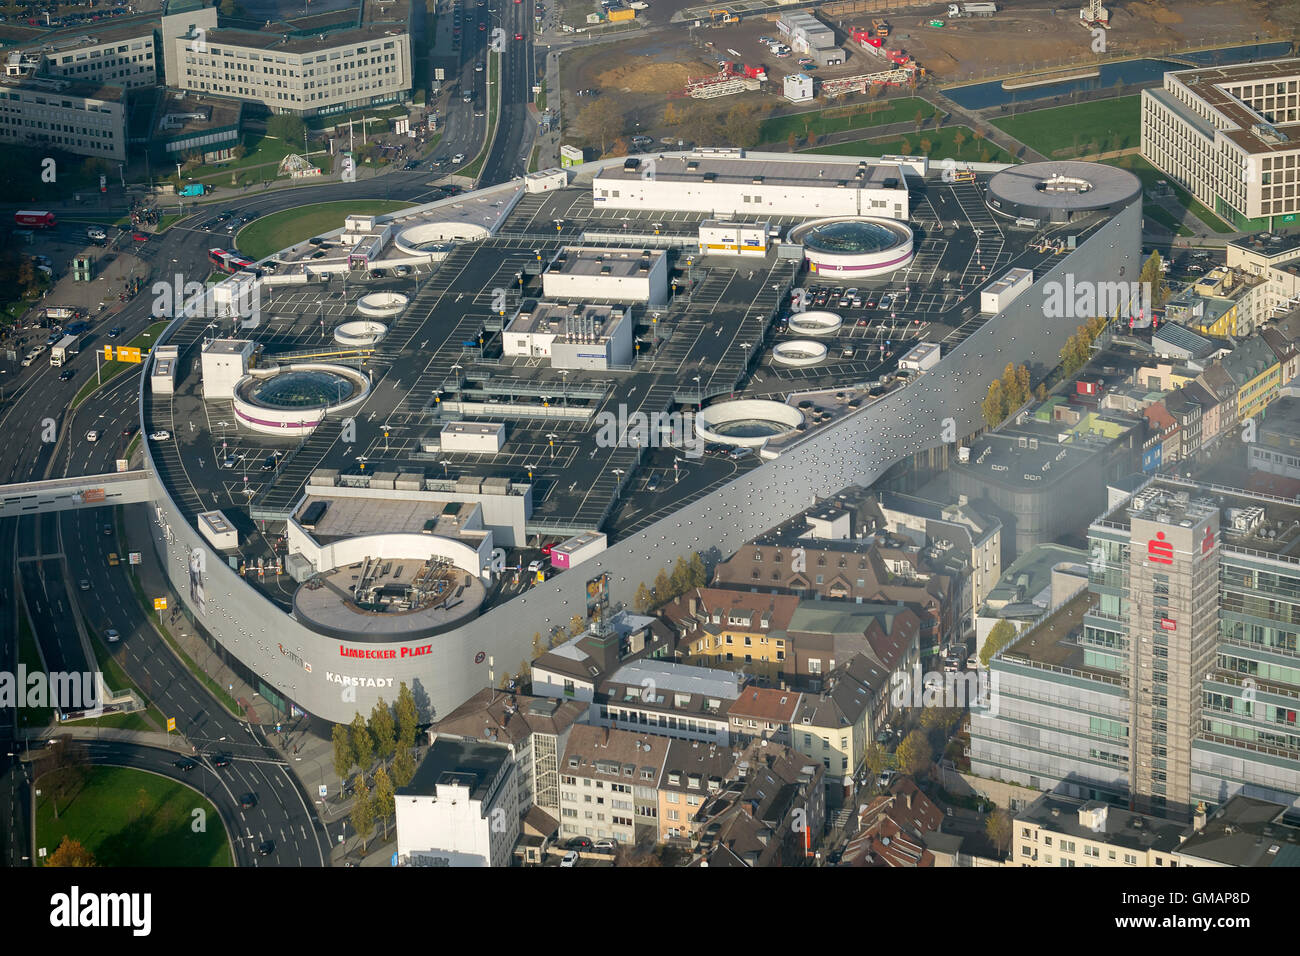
[324,791]
[171,724]
[160,604]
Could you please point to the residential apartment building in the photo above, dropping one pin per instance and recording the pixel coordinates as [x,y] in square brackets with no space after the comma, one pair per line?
[329,63]
[895,828]
[770,812]
[461,808]
[1067,832]
[1174,680]
[763,713]
[1276,449]
[693,773]
[1255,370]
[1228,135]
[732,629]
[609,784]
[1275,259]
[835,726]
[666,698]
[535,729]
[574,668]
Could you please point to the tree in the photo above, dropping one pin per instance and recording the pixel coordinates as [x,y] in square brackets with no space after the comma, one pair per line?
[363,745]
[998,826]
[408,716]
[289,128]
[363,812]
[919,120]
[385,802]
[699,124]
[576,625]
[994,405]
[1022,384]
[978,136]
[662,587]
[906,147]
[926,146]
[698,573]
[538,647]
[680,582]
[792,141]
[344,757]
[939,718]
[63,771]
[958,138]
[1002,634]
[403,766]
[601,121]
[914,753]
[642,600]
[71,853]
[383,729]
[877,759]
[1041,392]
[229,8]
[740,128]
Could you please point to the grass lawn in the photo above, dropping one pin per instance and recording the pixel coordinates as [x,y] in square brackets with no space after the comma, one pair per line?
[29,656]
[133,818]
[864,115]
[278,230]
[1066,131]
[144,341]
[115,678]
[258,149]
[942,146]
[1144,171]
[1162,215]
[476,166]
[368,114]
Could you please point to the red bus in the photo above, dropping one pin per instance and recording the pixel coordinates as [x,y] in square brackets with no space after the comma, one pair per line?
[34,218]
[228,261]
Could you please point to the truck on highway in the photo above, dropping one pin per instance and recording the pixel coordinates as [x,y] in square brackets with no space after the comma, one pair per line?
[64,350]
[972,9]
[35,219]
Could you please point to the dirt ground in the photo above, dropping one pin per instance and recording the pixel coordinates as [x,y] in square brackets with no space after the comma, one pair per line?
[644,71]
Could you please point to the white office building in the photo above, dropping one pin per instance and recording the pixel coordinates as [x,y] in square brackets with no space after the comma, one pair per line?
[461,808]
[725,184]
[1230,135]
[608,273]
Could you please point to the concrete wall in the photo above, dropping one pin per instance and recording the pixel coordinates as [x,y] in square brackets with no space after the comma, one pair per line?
[857,449]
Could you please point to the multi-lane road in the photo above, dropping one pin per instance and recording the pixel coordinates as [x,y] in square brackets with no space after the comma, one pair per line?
[50,555]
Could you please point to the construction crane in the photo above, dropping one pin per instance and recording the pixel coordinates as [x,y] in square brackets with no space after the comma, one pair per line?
[1094,15]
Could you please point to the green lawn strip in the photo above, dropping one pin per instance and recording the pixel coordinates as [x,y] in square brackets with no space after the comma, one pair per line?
[259,150]
[166,222]
[942,146]
[532,160]
[155,618]
[274,232]
[1150,175]
[473,169]
[29,656]
[144,341]
[369,114]
[128,817]
[817,123]
[1163,216]
[1066,131]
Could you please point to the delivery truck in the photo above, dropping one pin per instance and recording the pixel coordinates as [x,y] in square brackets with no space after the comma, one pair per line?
[35,219]
[972,9]
[194,189]
[65,349]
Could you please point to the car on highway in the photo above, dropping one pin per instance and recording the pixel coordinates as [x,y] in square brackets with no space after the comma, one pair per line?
[569,859]
[482,25]
[266,847]
[66,374]
[519,36]
[113,560]
[92,436]
[248,800]
[221,760]
[412,164]
[160,436]
[478,67]
[112,636]
[468,97]
[128,431]
[185,764]
[211,224]
[378,274]
[108,531]
[115,331]
[458,158]
[139,237]
[84,584]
